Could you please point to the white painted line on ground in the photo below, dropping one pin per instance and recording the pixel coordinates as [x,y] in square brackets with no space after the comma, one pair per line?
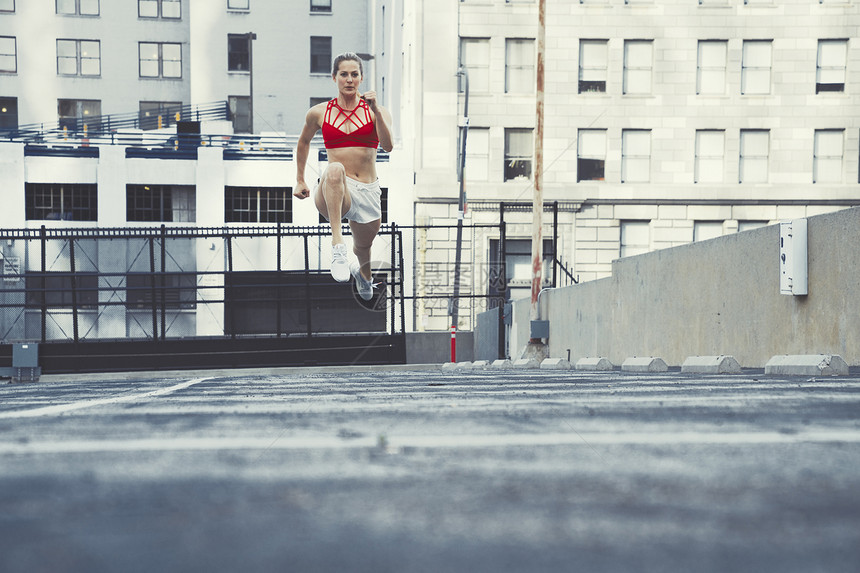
[395,443]
[63,408]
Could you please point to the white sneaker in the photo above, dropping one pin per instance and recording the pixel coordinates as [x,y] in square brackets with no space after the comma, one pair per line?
[362,285]
[339,263]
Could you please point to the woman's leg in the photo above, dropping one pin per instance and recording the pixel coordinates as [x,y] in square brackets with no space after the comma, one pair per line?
[362,239]
[332,199]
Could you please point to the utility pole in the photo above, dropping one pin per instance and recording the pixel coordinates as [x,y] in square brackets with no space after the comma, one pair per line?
[461,174]
[536,348]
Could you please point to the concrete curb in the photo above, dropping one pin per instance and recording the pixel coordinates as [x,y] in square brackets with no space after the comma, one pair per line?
[594,363]
[806,365]
[644,364]
[501,364]
[526,364]
[711,365]
[555,364]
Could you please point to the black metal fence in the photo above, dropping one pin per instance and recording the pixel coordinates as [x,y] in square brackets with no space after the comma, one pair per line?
[169,288]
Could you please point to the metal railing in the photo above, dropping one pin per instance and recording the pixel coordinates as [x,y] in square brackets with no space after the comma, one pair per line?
[161,283]
[103,126]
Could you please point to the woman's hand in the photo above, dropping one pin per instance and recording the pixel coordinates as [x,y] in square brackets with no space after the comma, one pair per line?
[302,191]
[370,98]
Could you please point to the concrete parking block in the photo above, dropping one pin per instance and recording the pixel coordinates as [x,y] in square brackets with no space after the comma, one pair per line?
[464,366]
[480,364]
[449,366]
[526,364]
[806,365]
[594,363]
[644,364]
[555,364]
[711,365]
[501,364]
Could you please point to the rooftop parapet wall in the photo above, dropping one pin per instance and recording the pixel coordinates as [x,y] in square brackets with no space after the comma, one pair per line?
[715,297]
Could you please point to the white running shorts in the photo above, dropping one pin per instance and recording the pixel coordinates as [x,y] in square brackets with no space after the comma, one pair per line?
[365,201]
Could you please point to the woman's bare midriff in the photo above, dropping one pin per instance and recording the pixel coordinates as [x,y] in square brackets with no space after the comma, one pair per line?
[358,162]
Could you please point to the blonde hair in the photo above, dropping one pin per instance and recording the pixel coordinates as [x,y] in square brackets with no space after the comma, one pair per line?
[344,57]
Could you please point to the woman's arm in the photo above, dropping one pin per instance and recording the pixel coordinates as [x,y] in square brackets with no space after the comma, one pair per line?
[310,128]
[382,119]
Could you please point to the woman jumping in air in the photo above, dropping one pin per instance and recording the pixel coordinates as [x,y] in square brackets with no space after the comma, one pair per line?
[353,126]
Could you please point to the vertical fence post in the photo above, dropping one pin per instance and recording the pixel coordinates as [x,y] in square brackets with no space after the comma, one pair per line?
[152,290]
[555,261]
[503,281]
[279,290]
[232,313]
[162,282]
[402,281]
[74,288]
[307,285]
[391,278]
[44,283]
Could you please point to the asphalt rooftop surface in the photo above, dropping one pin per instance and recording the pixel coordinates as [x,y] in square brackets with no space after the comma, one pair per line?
[400,470]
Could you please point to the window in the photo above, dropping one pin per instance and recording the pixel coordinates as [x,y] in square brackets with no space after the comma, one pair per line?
[79,114]
[240,113]
[638,60]
[711,72]
[169,290]
[475,58]
[258,205]
[710,153]
[635,238]
[321,55]
[8,113]
[78,7]
[8,54]
[238,4]
[79,57]
[158,114]
[60,202]
[321,6]
[755,67]
[166,9]
[162,203]
[520,66]
[704,230]
[519,150]
[827,161]
[478,154]
[518,267]
[592,65]
[635,156]
[7,5]
[830,69]
[591,155]
[238,53]
[160,60]
[754,156]
[55,290]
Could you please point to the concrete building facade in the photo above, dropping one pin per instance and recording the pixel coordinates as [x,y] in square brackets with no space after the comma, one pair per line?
[666,122]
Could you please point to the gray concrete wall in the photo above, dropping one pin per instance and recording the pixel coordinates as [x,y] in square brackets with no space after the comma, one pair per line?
[715,297]
[435,347]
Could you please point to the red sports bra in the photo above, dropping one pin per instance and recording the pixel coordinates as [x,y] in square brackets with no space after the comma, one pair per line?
[364,134]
